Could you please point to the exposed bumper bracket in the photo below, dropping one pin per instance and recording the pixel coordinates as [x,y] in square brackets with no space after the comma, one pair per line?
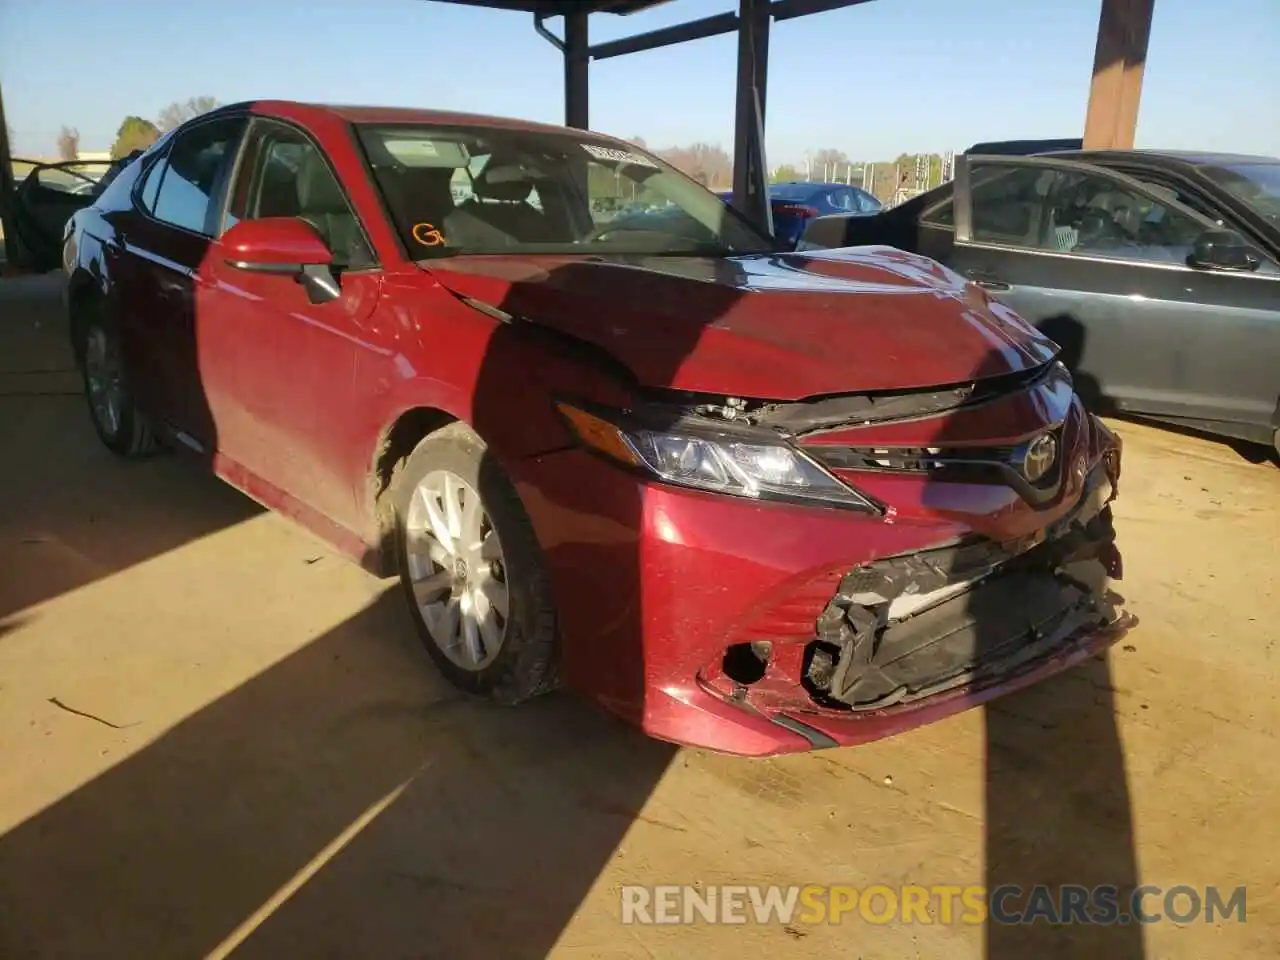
[977,609]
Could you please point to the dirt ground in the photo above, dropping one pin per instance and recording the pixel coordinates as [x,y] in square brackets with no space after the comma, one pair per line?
[218,738]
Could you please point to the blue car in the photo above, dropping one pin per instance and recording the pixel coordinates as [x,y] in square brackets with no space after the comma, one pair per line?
[794,204]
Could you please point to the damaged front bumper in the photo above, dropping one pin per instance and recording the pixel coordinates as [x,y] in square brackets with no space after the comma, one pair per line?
[909,639]
[905,628]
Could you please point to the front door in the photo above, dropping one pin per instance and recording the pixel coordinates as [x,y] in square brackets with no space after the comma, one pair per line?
[1099,262]
[285,366]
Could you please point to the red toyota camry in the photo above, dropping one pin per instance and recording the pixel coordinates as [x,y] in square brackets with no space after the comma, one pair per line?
[605,433]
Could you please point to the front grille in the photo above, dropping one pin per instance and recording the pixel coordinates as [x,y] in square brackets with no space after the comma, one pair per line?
[909,459]
[994,464]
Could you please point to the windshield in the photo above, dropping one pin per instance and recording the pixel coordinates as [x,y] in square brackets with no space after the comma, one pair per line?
[1257,184]
[479,189]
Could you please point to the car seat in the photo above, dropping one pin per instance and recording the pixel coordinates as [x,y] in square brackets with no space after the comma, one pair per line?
[501,199]
[322,204]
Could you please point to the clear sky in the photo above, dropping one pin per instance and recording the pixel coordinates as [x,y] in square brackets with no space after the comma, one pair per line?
[876,80]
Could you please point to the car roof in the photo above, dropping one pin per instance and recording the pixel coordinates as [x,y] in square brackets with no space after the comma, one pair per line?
[1203,159]
[354,113]
[816,184]
[1192,158]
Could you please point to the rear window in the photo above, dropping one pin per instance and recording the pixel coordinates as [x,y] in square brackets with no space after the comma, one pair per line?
[792,191]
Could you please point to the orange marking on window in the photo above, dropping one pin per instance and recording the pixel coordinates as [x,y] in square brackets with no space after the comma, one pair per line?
[427,235]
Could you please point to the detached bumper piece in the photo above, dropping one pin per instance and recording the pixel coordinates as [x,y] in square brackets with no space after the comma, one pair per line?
[909,627]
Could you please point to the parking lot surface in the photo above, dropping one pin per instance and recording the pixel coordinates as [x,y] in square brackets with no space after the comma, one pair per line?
[219,738]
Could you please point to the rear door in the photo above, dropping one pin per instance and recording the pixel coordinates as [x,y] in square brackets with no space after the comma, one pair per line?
[1098,261]
[180,204]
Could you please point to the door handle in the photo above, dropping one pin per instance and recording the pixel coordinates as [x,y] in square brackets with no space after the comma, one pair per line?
[986,279]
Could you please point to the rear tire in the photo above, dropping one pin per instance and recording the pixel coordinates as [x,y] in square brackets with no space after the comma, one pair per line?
[122,428]
[472,570]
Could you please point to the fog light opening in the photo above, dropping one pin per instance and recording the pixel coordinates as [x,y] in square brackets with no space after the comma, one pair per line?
[746,663]
[818,669]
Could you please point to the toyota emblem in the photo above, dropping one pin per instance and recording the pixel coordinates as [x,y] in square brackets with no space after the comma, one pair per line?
[1039,457]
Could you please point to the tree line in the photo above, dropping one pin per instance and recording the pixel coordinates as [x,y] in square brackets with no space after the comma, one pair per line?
[135,132]
[138,133]
[712,166]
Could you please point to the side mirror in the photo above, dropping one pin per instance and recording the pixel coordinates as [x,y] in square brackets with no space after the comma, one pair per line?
[1222,250]
[283,245]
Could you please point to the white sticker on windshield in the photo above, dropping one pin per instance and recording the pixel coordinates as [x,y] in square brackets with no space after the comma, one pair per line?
[617,156]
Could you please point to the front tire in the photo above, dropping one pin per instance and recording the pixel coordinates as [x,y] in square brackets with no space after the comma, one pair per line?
[121,427]
[472,570]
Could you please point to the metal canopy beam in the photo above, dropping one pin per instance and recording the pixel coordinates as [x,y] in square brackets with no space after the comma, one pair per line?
[751,22]
[1123,31]
[577,63]
[1124,27]
[681,33]
[713,26]
[558,8]
[6,184]
[790,9]
[750,170]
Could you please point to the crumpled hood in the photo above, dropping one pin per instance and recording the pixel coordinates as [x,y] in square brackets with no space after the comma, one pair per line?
[776,326]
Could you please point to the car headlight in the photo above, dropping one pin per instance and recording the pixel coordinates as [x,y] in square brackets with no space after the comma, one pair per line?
[761,468]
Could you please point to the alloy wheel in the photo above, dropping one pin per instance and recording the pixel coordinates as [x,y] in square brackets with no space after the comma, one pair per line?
[457,570]
[103,376]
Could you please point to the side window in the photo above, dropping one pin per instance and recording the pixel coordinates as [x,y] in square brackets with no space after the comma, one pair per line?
[151,185]
[196,160]
[1075,211]
[1094,214]
[867,203]
[943,215]
[284,174]
[1168,191]
[840,200]
[1008,203]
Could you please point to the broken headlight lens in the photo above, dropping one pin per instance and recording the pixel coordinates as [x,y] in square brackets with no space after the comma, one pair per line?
[765,469]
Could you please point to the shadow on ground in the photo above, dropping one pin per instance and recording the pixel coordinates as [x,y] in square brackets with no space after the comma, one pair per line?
[339,804]
[1058,812]
[72,512]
